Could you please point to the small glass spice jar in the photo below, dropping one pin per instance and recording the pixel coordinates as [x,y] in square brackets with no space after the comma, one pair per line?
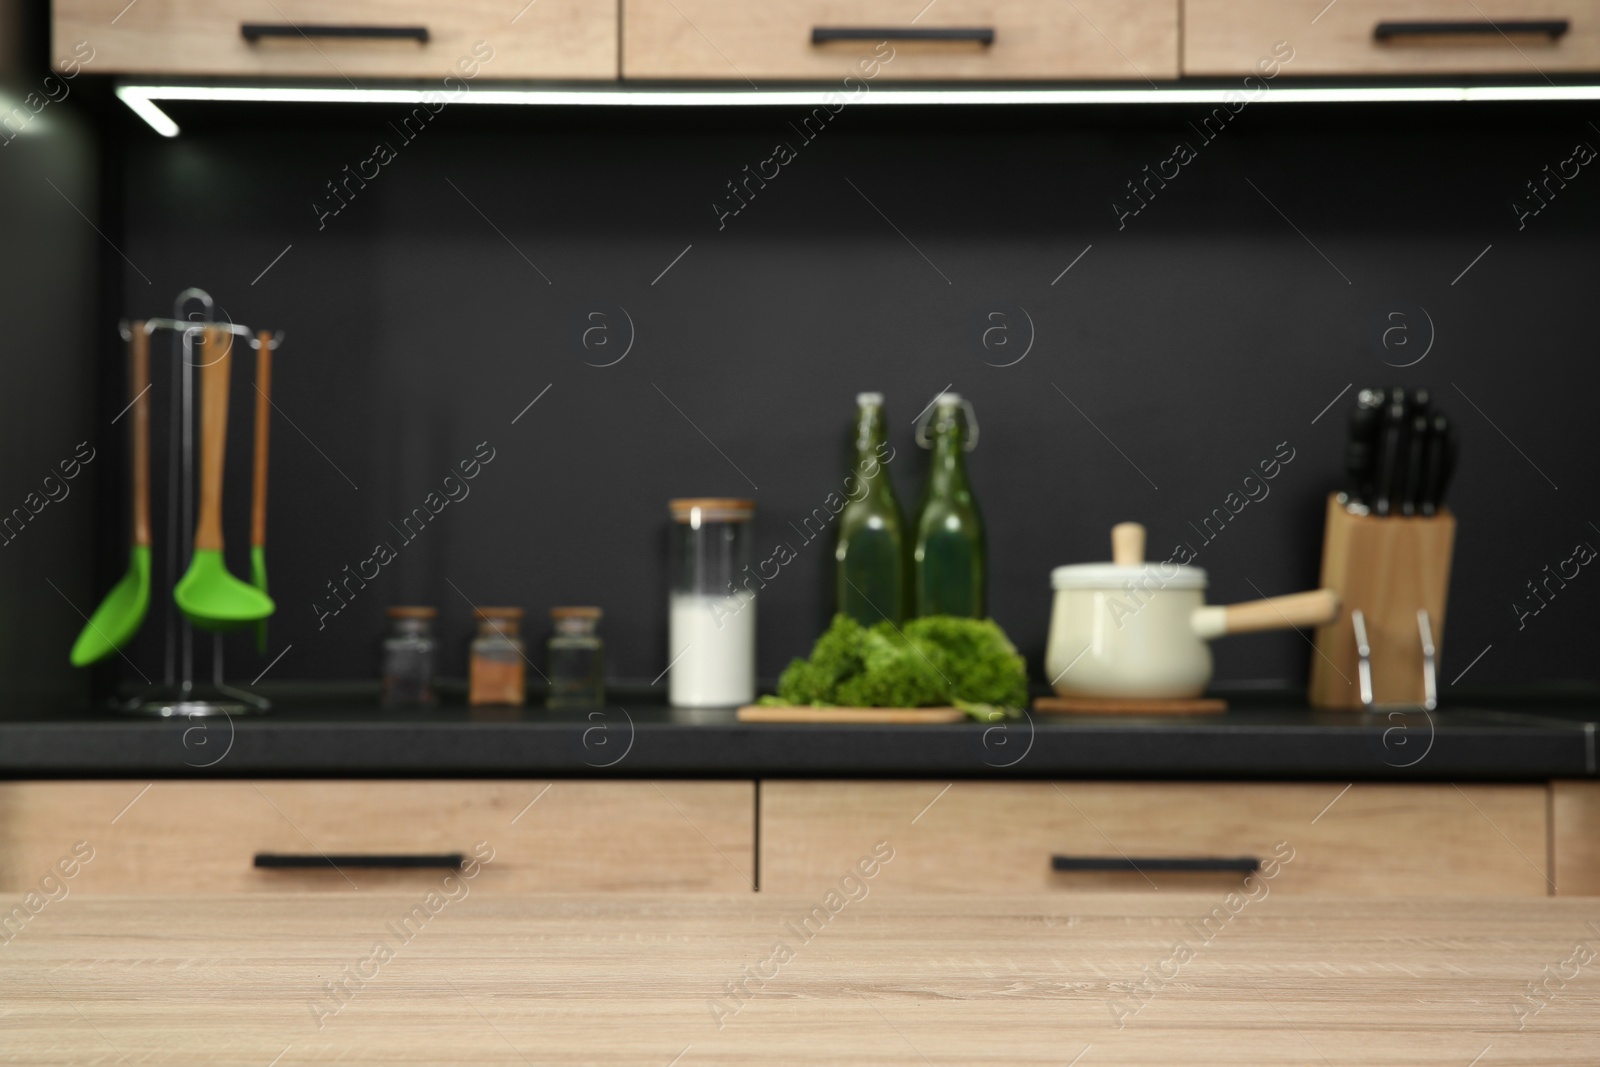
[408,656]
[576,659]
[497,658]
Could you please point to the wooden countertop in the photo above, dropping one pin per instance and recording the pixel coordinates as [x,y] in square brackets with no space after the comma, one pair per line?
[690,980]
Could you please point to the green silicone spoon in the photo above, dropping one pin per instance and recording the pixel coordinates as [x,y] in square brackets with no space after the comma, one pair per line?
[207,594]
[121,613]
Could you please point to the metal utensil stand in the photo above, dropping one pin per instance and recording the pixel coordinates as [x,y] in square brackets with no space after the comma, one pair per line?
[179,695]
[1430,683]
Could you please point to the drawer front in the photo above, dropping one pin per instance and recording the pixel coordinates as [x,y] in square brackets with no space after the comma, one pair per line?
[1382,840]
[741,40]
[560,836]
[1227,37]
[1575,837]
[545,39]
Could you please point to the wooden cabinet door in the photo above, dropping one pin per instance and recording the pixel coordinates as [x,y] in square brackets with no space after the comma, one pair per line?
[1575,838]
[465,39]
[523,836]
[1380,840]
[897,40]
[1378,37]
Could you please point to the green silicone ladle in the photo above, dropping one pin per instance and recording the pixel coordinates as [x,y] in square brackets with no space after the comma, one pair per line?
[207,594]
[122,612]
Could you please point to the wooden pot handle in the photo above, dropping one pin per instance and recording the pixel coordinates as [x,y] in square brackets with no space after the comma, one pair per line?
[139,392]
[258,494]
[216,367]
[1273,613]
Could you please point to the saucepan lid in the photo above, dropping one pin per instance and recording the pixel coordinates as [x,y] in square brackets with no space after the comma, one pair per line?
[1113,576]
[1128,565]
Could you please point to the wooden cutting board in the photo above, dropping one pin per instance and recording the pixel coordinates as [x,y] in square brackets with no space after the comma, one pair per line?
[761,713]
[1110,706]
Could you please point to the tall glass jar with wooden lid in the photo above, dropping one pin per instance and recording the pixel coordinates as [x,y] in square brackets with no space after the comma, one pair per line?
[712,612]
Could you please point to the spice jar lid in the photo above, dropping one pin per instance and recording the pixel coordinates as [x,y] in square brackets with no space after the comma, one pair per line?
[575,613]
[408,611]
[712,509]
[498,613]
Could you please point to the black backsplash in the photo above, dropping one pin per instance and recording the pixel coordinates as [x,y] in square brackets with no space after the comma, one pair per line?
[1180,350]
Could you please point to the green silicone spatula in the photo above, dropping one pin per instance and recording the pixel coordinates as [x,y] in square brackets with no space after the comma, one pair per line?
[207,594]
[122,611]
[258,490]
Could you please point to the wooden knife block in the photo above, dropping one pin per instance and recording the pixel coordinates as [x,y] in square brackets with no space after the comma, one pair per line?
[1388,568]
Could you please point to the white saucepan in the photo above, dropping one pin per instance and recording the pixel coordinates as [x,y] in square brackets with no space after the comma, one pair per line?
[1138,630]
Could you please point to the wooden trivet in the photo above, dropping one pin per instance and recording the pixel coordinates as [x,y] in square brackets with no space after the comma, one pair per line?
[1109,706]
[761,713]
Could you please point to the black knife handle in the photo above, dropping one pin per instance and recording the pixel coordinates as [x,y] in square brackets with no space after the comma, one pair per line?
[1452,454]
[1230,864]
[978,34]
[282,861]
[1416,442]
[1555,29]
[255,31]
[1433,465]
[1389,470]
[1361,452]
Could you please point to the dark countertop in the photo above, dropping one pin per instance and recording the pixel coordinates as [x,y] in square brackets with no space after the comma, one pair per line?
[1524,735]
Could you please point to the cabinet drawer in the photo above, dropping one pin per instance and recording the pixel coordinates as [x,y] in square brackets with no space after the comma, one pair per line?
[546,39]
[543,836]
[1575,838]
[1381,840]
[1226,37]
[801,39]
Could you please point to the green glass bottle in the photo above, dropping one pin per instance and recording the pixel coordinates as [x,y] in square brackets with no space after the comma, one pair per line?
[948,560]
[871,553]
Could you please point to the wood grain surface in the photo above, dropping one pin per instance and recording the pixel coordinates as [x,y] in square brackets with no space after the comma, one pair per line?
[220,981]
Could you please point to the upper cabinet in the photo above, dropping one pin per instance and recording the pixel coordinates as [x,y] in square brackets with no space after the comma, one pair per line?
[1393,37]
[823,42]
[345,39]
[827,40]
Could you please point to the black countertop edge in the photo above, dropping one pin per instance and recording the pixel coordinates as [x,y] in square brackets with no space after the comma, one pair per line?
[1491,746]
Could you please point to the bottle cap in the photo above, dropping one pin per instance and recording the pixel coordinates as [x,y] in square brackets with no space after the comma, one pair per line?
[406,611]
[498,613]
[864,400]
[948,400]
[575,613]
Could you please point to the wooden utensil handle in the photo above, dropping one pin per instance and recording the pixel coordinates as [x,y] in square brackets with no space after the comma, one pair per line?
[1282,612]
[258,494]
[216,367]
[139,393]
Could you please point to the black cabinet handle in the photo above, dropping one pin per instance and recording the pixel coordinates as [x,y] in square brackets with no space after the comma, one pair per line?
[1232,864]
[1555,29]
[979,34]
[279,861]
[254,31]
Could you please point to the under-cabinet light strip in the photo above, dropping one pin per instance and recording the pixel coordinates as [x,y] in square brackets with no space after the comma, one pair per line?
[141,98]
